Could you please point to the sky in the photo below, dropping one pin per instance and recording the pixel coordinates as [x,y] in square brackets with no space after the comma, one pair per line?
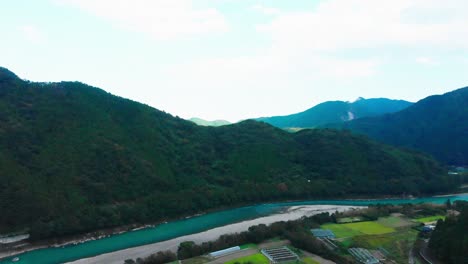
[238,59]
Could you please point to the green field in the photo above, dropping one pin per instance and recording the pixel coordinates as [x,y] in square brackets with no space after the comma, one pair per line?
[356,229]
[255,259]
[341,230]
[309,261]
[251,245]
[430,218]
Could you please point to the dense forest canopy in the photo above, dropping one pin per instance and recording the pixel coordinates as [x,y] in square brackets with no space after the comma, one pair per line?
[437,125]
[75,158]
[449,241]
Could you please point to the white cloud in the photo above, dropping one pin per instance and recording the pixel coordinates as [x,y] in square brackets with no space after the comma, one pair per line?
[32,34]
[266,10]
[162,19]
[338,25]
[311,43]
[427,61]
[337,44]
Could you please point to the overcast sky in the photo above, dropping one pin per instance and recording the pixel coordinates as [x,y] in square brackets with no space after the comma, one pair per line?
[235,59]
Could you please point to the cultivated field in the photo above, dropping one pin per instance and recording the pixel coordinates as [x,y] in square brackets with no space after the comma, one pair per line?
[258,258]
[397,243]
[309,261]
[430,218]
[395,221]
[356,229]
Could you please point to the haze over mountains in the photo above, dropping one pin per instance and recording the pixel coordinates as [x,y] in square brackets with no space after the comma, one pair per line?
[215,123]
[74,158]
[336,112]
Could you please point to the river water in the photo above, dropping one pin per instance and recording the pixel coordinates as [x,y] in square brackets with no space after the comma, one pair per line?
[190,226]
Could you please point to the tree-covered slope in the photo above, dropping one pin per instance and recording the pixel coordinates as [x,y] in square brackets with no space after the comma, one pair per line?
[449,241]
[75,158]
[336,112]
[437,125]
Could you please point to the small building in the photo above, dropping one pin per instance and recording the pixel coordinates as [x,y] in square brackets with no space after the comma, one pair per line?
[278,255]
[223,252]
[428,228]
[363,256]
[323,233]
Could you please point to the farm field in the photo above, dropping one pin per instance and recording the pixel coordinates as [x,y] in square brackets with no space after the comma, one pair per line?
[397,243]
[356,229]
[309,261]
[349,219]
[430,218]
[251,245]
[258,258]
[395,221]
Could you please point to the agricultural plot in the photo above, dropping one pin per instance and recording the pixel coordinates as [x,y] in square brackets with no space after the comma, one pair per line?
[345,220]
[250,245]
[282,254]
[356,229]
[258,258]
[395,221]
[309,261]
[341,230]
[397,243]
[363,255]
[430,219]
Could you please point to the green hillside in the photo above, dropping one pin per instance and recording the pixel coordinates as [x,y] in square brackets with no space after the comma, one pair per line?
[437,125]
[336,112]
[75,158]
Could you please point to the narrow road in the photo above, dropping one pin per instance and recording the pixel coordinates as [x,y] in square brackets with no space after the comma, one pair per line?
[424,253]
[411,256]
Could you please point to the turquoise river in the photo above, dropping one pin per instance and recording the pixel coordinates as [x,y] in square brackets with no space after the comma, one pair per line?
[189,226]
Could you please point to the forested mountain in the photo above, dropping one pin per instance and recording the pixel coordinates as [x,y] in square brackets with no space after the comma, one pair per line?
[75,158]
[336,112]
[215,123]
[437,125]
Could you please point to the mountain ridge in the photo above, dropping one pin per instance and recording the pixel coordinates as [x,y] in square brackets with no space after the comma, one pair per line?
[336,111]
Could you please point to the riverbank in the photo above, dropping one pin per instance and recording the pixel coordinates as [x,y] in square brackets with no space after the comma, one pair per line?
[289,213]
[7,251]
[53,251]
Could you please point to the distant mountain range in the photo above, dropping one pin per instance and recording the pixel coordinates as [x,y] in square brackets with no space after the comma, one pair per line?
[215,123]
[437,125]
[74,158]
[336,112]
